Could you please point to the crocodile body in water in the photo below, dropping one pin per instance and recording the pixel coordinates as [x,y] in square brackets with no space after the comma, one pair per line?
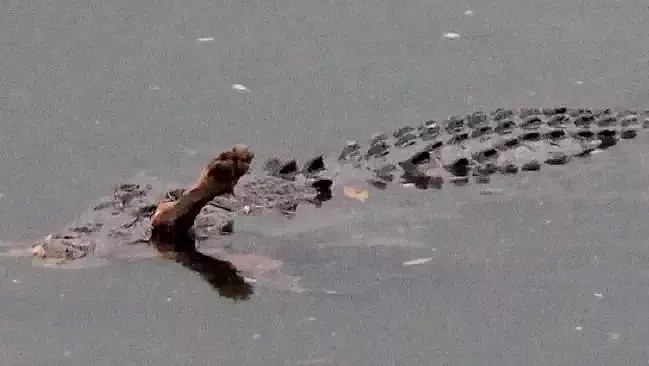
[461,150]
[480,144]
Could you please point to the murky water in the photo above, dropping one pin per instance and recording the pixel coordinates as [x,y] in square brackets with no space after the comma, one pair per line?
[93,93]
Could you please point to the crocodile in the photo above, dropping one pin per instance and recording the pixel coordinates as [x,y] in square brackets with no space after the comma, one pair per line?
[475,146]
[460,150]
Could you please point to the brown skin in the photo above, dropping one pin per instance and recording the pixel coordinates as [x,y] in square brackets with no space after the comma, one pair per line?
[172,220]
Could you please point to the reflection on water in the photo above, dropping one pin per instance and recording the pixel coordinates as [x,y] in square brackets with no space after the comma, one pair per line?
[222,275]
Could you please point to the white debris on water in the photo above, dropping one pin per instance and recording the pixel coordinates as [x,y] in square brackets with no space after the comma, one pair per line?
[15,281]
[613,336]
[331,292]
[311,318]
[579,82]
[315,361]
[67,353]
[417,261]
[191,152]
[598,295]
[255,336]
[250,280]
[490,191]
[468,13]
[579,328]
[240,88]
[168,299]
[451,35]
[205,39]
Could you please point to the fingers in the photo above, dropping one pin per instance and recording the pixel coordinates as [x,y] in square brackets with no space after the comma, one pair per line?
[239,153]
[243,153]
[231,164]
[243,157]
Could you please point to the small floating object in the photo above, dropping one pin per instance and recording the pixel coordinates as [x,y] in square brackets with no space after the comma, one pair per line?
[39,251]
[417,261]
[490,191]
[190,152]
[205,39]
[468,13]
[451,35]
[356,193]
[240,88]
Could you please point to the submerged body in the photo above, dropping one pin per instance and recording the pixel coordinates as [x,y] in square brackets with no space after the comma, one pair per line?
[484,143]
[461,150]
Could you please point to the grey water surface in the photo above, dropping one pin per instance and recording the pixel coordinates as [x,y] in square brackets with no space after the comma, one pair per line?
[549,269]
